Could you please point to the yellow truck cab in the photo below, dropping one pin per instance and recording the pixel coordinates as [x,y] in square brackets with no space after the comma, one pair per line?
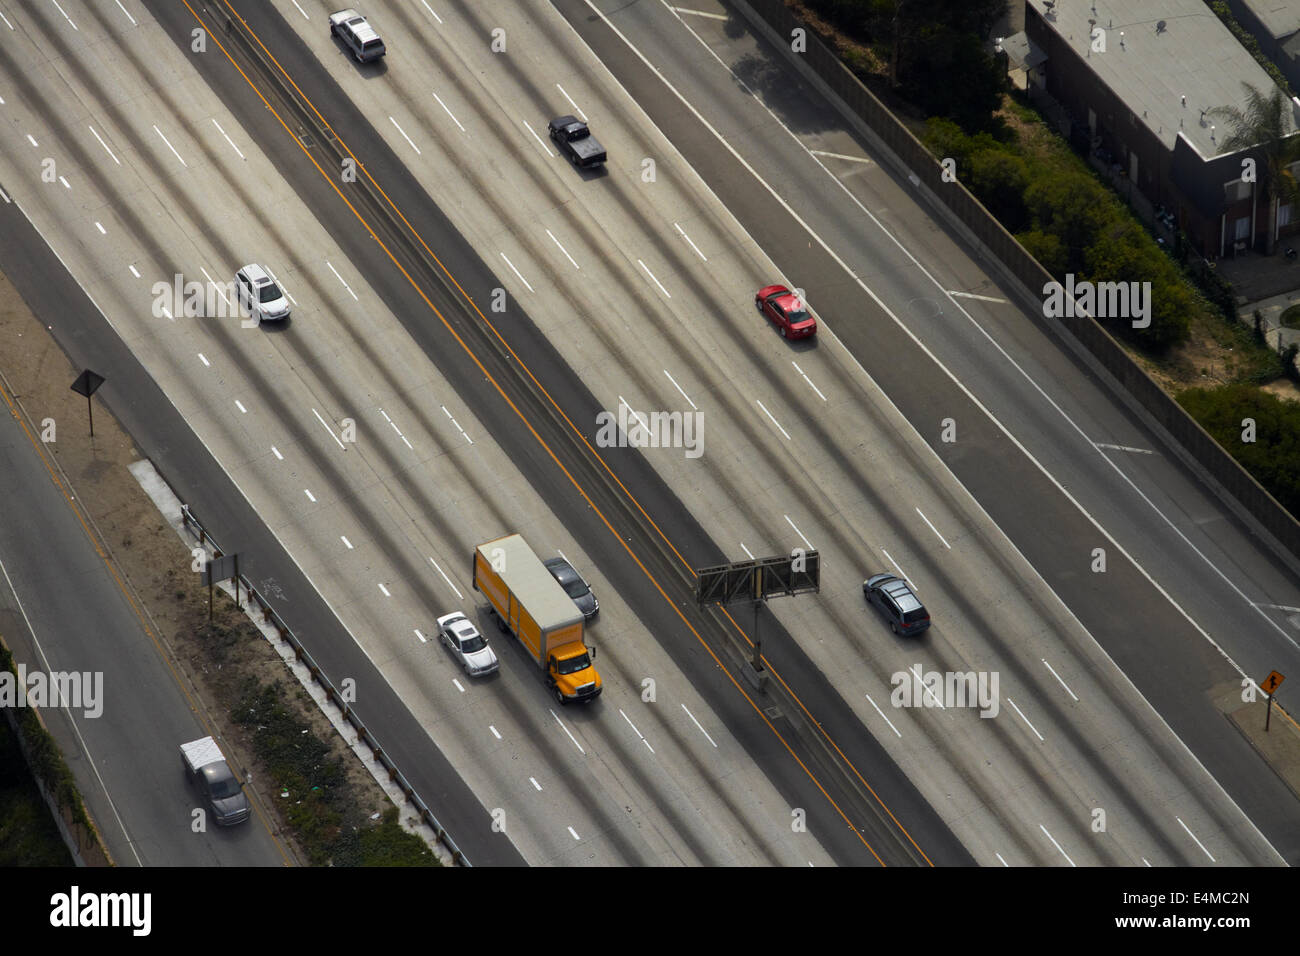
[532,606]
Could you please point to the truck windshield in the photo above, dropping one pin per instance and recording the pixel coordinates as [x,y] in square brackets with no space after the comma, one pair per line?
[574,664]
[221,789]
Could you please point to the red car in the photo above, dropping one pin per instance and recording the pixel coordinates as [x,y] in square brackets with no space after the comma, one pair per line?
[787,311]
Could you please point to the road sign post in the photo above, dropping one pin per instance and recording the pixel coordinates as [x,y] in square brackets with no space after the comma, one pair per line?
[86,384]
[1271,683]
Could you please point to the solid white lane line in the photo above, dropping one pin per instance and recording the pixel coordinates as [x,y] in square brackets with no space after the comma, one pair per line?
[934,529]
[1058,677]
[128,15]
[852,159]
[431,13]
[576,108]
[697,724]
[633,726]
[635,414]
[774,421]
[882,716]
[459,596]
[679,388]
[1136,451]
[809,381]
[1198,842]
[652,277]
[301,10]
[229,140]
[341,280]
[915,669]
[541,142]
[328,429]
[799,533]
[901,573]
[405,137]
[170,146]
[699,13]
[566,730]
[65,16]
[1057,845]
[447,111]
[972,295]
[562,249]
[688,239]
[1024,718]
[104,144]
[517,272]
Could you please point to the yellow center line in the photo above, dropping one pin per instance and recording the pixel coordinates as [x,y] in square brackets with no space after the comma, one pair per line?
[527,424]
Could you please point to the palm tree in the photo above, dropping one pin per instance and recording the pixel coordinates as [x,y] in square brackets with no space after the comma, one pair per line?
[1265,124]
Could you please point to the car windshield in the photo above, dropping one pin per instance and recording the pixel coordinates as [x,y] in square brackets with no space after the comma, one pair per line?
[270,292]
[224,788]
[574,664]
[472,643]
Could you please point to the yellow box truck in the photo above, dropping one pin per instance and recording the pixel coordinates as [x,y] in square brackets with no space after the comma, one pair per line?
[532,606]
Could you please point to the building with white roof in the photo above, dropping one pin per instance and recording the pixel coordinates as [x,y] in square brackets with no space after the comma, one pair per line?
[1139,79]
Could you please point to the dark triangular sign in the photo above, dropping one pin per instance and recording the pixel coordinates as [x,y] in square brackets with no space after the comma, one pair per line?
[87,382]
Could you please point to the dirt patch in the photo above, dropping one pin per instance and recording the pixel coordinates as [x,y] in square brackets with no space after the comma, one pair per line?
[222,663]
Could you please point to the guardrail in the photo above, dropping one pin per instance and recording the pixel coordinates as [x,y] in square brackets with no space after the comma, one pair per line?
[301,653]
[1025,276]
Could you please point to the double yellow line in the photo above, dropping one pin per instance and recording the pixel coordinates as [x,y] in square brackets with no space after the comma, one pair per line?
[533,431]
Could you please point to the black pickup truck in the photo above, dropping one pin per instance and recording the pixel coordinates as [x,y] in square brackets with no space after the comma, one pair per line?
[575,141]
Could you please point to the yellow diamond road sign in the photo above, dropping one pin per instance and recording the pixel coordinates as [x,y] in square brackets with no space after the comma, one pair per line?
[1272,682]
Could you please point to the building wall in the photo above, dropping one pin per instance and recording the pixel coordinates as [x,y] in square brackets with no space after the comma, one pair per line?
[1071,82]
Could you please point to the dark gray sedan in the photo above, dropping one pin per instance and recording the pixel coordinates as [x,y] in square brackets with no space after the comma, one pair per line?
[574,586]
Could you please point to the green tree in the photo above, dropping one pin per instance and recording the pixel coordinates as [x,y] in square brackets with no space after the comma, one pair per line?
[1265,125]
[1273,458]
[999,179]
[1072,206]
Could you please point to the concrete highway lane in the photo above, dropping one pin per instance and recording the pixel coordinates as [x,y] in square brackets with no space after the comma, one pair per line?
[611,302]
[415,137]
[64,608]
[1194,547]
[169,442]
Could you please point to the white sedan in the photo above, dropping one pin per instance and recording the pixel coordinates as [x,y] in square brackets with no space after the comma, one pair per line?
[467,644]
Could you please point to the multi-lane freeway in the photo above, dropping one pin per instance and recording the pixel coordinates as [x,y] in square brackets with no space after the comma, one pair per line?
[468,304]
